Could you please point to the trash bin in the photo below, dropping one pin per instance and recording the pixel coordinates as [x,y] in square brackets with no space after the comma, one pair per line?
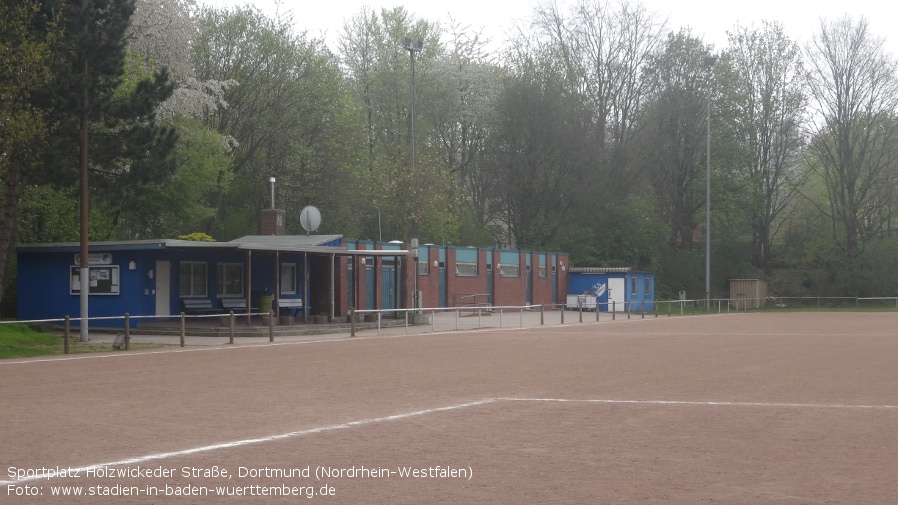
[265,304]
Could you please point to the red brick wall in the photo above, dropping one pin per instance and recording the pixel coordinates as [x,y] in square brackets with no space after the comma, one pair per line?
[506,290]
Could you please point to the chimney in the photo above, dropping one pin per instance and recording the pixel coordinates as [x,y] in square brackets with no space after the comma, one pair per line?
[272,221]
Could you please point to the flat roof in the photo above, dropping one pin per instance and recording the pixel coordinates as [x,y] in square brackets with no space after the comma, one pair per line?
[270,243]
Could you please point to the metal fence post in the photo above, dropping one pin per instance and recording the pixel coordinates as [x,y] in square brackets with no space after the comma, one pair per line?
[127,331]
[271,326]
[563,308]
[542,312]
[183,328]
[231,322]
[613,310]
[351,323]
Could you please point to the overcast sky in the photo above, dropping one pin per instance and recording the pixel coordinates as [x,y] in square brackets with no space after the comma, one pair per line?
[709,19]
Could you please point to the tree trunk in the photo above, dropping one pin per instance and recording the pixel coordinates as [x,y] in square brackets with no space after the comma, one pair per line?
[8,213]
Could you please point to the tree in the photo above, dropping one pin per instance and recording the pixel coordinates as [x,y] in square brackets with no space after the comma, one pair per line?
[101,123]
[459,102]
[769,109]
[286,115]
[674,134]
[854,144]
[25,53]
[378,71]
[540,153]
[604,49]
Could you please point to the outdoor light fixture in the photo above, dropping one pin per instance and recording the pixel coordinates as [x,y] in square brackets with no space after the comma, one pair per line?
[413,46]
[710,61]
[132,265]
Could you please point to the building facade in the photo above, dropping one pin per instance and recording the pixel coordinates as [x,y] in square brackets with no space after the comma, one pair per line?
[304,275]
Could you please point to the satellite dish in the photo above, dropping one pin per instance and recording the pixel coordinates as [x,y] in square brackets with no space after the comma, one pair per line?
[310,219]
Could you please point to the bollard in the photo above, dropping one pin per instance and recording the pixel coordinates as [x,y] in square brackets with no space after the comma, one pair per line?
[231,321]
[66,331]
[271,326]
[183,329]
[127,331]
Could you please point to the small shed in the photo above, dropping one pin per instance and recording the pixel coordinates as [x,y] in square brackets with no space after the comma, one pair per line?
[608,289]
[747,293]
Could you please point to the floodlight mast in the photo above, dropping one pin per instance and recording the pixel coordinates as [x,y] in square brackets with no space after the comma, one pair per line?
[710,61]
[413,46]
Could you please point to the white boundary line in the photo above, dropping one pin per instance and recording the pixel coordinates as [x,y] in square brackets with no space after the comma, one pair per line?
[449,408]
[259,440]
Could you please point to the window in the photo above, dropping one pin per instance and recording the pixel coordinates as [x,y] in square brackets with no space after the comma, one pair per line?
[194,279]
[542,271]
[288,278]
[510,270]
[423,267]
[466,269]
[648,286]
[635,285]
[229,281]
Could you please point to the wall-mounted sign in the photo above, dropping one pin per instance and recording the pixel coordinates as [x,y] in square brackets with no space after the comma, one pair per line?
[101,280]
[95,258]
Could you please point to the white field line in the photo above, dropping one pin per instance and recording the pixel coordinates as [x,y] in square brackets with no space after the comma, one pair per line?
[449,408]
[253,441]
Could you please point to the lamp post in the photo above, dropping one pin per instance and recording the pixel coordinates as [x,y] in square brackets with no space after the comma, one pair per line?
[413,46]
[710,61]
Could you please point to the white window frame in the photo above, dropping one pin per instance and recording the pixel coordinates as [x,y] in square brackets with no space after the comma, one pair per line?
[465,269]
[192,289]
[291,288]
[509,270]
[225,279]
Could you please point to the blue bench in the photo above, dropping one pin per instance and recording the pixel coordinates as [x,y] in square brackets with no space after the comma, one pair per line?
[238,305]
[197,306]
[292,306]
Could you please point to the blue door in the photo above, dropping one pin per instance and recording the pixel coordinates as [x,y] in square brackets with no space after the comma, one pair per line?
[369,287]
[442,284]
[388,287]
[528,290]
[489,285]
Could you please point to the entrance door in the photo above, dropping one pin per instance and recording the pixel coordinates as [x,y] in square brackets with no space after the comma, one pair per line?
[163,288]
[617,293]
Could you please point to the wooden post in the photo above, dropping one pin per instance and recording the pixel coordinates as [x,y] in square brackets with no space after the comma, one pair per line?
[271,326]
[183,328]
[127,331]
[351,323]
[231,321]
[613,310]
[65,334]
